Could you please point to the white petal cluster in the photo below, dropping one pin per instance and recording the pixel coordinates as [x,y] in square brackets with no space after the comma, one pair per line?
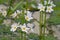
[18,11]
[45,3]
[15,14]
[47,6]
[51,3]
[14,26]
[28,17]
[49,9]
[41,7]
[31,26]
[25,27]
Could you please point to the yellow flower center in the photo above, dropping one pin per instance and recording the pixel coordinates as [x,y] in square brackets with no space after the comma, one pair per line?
[42,7]
[48,8]
[24,28]
[27,18]
[14,27]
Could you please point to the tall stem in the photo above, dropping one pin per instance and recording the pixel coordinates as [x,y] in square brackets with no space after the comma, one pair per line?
[44,25]
[41,23]
[25,37]
[20,35]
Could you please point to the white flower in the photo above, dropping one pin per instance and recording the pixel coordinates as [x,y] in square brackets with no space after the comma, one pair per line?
[31,26]
[14,27]
[18,11]
[14,15]
[28,17]
[4,13]
[24,28]
[41,7]
[49,9]
[51,3]
[45,2]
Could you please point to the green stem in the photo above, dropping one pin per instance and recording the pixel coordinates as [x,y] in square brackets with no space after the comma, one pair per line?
[25,37]
[44,24]
[25,32]
[41,23]
[21,36]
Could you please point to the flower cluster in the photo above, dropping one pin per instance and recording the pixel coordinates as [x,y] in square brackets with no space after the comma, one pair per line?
[17,15]
[28,15]
[47,6]
[25,27]
[25,17]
